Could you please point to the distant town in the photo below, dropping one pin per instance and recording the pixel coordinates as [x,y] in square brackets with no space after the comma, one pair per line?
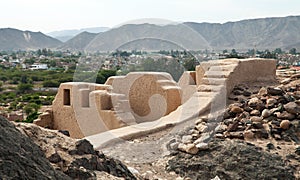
[46,59]
[29,79]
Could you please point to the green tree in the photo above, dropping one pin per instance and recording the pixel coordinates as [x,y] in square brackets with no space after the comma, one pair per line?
[52,63]
[190,64]
[31,107]
[3,78]
[233,52]
[31,117]
[24,88]
[278,51]
[1,88]
[29,61]
[293,51]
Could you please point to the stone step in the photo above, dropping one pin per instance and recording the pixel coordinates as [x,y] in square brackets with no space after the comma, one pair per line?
[204,94]
[229,67]
[209,88]
[126,117]
[171,87]
[217,74]
[213,81]
[222,62]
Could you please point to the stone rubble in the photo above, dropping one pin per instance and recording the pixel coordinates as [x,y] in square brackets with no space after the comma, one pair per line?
[255,114]
[270,112]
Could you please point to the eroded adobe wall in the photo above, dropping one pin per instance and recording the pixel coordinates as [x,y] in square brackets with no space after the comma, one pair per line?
[151,95]
[187,83]
[64,117]
[252,70]
[87,109]
[75,109]
[235,71]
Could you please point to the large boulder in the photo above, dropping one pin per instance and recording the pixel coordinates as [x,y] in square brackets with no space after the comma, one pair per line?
[21,158]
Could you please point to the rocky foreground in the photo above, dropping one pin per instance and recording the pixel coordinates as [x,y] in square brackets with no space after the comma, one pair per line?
[31,152]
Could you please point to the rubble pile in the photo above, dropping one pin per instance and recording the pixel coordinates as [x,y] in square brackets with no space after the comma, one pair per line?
[248,137]
[267,113]
[230,159]
[274,112]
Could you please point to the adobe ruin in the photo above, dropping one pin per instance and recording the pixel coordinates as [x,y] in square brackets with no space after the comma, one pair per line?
[124,103]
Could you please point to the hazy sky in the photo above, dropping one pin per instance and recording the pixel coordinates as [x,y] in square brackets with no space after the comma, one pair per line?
[50,15]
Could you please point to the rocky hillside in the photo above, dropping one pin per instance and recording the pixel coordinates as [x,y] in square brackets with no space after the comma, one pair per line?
[31,152]
[20,157]
[76,158]
[13,39]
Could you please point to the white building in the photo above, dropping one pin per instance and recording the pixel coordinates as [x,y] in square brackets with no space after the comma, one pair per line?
[38,67]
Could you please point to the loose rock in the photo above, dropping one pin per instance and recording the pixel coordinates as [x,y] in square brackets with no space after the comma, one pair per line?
[248,135]
[271,102]
[201,128]
[236,109]
[255,112]
[274,91]
[266,113]
[285,124]
[256,119]
[285,115]
[254,102]
[187,139]
[292,107]
[202,146]
[262,92]
[191,149]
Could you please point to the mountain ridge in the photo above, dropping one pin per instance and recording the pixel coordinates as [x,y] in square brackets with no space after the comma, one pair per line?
[260,33]
[79,42]
[65,35]
[14,39]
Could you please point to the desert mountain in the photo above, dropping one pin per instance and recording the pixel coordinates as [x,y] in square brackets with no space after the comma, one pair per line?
[13,39]
[65,35]
[148,37]
[265,33]
[79,41]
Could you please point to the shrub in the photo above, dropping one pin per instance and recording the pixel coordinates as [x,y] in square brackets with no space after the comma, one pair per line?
[24,88]
[33,116]
[51,83]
